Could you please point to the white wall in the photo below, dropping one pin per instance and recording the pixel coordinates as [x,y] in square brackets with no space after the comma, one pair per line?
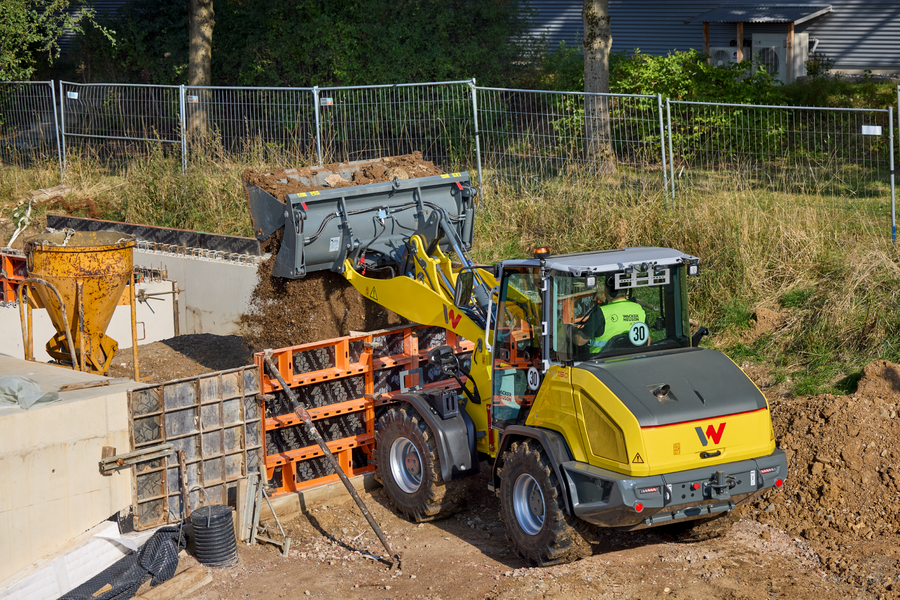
[214,293]
[155,321]
[51,489]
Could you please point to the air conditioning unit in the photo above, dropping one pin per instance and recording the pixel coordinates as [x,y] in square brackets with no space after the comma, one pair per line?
[721,56]
[770,54]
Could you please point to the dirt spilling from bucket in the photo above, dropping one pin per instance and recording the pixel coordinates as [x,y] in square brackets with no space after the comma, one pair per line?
[322,305]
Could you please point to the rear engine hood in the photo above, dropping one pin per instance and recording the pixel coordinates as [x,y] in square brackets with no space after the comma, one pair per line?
[703,384]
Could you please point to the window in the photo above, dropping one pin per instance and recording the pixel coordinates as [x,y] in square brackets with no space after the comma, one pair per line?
[618,313]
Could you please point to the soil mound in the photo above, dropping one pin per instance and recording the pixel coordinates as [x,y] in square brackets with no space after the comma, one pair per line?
[322,305]
[843,477]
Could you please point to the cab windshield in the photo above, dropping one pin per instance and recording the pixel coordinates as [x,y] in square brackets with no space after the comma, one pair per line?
[618,313]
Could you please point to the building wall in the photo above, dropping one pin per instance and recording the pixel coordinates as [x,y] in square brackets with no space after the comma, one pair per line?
[856,35]
[51,489]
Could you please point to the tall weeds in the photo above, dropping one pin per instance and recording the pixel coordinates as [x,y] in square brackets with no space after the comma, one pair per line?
[829,273]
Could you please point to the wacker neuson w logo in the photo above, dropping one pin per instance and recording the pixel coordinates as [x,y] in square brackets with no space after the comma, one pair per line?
[711,434]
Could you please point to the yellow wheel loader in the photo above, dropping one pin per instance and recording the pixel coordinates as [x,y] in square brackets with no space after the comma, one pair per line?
[585,395]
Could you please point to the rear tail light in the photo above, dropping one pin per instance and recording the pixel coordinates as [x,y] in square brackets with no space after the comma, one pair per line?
[649,490]
[768,470]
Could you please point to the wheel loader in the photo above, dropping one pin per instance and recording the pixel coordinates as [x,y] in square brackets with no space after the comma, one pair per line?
[586,396]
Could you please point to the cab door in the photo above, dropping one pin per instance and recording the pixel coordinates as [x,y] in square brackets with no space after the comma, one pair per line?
[517,346]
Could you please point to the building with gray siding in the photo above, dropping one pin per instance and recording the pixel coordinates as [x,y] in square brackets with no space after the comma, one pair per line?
[855,34]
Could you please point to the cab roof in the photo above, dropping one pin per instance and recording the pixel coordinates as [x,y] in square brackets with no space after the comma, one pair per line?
[607,260]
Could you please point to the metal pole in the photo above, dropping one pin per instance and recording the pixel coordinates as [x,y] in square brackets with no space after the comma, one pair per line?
[315,92]
[662,145]
[893,199]
[671,154]
[300,411]
[62,126]
[477,135]
[56,129]
[181,110]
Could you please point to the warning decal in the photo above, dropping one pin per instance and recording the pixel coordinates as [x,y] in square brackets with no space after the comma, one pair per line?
[373,295]
[637,459]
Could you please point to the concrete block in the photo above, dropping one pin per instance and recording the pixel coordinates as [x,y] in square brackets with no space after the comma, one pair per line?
[51,489]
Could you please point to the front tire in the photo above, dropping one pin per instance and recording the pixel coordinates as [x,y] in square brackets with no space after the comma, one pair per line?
[532,508]
[410,469]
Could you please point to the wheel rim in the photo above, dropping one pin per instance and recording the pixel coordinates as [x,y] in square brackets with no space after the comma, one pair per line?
[406,465]
[528,504]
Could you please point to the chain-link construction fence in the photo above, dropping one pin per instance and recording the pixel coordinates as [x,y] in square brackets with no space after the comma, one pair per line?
[28,130]
[538,143]
[528,138]
[839,160]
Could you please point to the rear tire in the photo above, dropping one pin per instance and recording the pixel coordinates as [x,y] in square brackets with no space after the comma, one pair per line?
[531,506]
[410,469]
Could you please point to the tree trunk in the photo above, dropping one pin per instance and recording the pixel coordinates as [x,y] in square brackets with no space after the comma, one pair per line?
[597,43]
[199,63]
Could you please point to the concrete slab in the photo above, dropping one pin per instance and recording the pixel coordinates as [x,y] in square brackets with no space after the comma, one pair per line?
[51,489]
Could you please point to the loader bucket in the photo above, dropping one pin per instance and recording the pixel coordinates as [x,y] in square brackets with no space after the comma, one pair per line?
[90,271]
[324,228]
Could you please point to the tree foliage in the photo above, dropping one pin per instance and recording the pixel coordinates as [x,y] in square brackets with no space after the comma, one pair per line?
[314,42]
[30,32]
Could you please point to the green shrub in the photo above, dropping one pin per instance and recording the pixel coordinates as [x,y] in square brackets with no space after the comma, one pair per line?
[306,43]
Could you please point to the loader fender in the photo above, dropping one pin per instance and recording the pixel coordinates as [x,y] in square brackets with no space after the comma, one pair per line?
[554,445]
[454,437]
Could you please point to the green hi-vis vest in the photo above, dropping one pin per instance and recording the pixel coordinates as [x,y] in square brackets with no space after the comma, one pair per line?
[619,315]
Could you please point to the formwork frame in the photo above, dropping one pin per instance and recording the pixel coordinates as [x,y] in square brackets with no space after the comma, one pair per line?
[375,358]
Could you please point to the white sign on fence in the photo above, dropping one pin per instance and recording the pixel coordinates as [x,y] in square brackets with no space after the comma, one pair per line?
[72,95]
[871,129]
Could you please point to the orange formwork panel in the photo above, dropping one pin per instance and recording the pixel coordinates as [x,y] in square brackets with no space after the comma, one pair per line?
[342,382]
[13,271]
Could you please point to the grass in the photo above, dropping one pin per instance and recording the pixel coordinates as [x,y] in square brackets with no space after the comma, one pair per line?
[828,272]
[822,262]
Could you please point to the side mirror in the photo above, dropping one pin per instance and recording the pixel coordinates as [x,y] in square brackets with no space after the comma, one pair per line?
[465,283]
[699,335]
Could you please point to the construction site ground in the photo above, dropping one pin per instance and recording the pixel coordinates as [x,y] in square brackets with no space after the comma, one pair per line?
[830,533]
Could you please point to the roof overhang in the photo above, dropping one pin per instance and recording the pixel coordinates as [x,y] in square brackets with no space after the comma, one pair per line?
[763,13]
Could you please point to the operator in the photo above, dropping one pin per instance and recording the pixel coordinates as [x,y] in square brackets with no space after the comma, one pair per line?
[614,314]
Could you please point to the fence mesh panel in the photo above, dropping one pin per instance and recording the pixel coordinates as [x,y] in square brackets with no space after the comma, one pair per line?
[268,123]
[116,121]
[529,138]
[371,122]
[833,162]
[28,133]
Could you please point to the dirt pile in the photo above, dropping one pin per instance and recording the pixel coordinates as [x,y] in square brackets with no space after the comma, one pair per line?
[282,182]
[287,312]
[843,485]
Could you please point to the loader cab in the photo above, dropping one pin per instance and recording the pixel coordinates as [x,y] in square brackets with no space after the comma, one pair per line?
[564,310]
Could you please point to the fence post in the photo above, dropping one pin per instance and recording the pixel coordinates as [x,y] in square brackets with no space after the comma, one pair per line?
[315,92]
[181,110]
[662,145]
[477,138]
[62,128]
[671,154]
[56,130]
[893,205]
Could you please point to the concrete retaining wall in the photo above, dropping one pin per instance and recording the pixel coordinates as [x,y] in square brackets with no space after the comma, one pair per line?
[214,294]
[51,489]
[155,319]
